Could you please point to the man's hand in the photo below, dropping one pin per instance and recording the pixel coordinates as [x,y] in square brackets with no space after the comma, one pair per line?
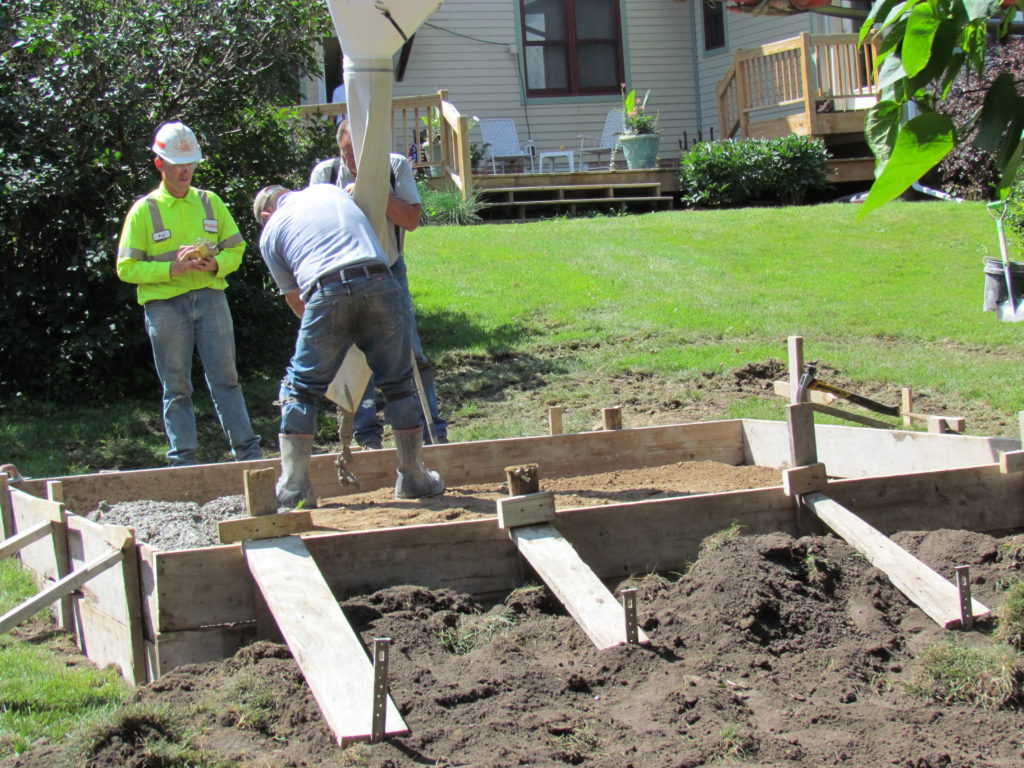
[206,264]
[190,258]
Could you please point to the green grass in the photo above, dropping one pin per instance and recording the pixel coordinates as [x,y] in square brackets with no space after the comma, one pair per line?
[558,309]
[41,696]
[988,676]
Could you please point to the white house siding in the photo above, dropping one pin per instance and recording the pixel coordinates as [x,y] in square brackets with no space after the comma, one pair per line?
[471,48]
[483,78]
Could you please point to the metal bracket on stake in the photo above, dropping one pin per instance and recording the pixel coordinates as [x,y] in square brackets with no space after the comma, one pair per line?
[381,646]
[629,607]
[963,584]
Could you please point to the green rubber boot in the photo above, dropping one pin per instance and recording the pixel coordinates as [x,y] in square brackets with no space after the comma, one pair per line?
[294,490]
[414,480]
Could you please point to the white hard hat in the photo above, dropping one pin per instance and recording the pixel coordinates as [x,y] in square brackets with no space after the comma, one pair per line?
[176,143]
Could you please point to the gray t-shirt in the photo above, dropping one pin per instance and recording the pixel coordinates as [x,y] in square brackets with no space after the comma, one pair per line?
[404,189]
[316,231]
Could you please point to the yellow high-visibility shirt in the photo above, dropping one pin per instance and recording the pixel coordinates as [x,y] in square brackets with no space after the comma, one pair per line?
[158,224]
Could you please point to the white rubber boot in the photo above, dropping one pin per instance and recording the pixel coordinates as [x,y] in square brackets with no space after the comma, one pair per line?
[294,490]
[414,480]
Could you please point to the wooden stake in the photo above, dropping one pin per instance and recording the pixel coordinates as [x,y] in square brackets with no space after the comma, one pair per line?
[264,526]
[555,420]
[381,646]
[801,480]
[796,366]
[523,479]
[803,451]
[1011,461]
[906,405]
[6,517]
[62,611]
[260,496]
[612,418]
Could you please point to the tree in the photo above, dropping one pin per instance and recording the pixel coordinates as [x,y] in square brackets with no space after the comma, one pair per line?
[83,86]
[925,46]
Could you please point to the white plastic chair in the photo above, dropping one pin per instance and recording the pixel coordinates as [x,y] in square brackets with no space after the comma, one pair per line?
[614,124]
[501,142]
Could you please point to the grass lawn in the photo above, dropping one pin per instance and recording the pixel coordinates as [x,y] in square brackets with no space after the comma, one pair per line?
[521,316]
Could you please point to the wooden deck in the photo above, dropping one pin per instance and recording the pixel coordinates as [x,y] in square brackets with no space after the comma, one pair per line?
[811,85]
[535,195]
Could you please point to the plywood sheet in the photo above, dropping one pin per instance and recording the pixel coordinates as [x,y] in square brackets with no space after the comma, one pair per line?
[584,596]
[329,652]
[933,594]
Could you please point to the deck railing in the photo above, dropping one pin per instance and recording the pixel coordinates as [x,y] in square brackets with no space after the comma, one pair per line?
[429,130]
[816,73]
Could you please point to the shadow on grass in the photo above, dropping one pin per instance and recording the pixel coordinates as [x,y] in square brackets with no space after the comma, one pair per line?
[502,365]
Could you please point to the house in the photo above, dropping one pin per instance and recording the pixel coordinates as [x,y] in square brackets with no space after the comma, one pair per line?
[555,66]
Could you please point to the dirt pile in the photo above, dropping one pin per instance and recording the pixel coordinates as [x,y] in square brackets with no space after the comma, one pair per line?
[769,651]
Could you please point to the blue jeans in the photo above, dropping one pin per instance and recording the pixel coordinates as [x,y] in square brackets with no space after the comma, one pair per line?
[366,426]
[367,312]
[177,327]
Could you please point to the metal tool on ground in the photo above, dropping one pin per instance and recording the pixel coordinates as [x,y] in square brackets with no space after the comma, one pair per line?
[809,381]
[1011,310]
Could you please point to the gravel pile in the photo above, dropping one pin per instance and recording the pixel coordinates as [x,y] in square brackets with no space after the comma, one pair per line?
[169,525]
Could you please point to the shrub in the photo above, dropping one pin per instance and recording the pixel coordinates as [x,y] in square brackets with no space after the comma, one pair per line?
[446,206]
[739,172]
[1015,210]
[83,86]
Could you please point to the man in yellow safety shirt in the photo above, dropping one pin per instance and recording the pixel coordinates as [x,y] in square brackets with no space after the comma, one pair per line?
[178,244]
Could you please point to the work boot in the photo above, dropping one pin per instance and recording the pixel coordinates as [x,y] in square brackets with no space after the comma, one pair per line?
[414,480]
[294,490]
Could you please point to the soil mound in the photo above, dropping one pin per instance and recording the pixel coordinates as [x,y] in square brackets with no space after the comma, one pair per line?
[769,651]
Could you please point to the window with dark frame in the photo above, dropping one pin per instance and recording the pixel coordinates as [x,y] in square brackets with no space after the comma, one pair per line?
[571,47]
[714,24]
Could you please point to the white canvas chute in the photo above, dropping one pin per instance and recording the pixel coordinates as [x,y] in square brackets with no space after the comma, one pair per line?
[370,32]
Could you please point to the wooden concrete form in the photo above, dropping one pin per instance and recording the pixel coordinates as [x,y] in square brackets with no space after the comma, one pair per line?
[172,616]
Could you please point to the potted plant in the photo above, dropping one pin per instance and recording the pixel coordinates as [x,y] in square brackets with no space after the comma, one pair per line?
[640,139]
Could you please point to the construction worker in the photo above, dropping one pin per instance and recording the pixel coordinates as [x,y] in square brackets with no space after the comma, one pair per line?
[178,244]
[325,258]
[403,213]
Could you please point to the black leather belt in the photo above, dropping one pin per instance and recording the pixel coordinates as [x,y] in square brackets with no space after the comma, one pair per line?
[352,273]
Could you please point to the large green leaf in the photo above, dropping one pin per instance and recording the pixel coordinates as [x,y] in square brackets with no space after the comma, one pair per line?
[921,143]
[881,126]
[1001,106]
[980,9]
[917,41]
[878,10]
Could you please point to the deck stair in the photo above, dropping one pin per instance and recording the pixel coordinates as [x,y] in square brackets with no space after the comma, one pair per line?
[535,201]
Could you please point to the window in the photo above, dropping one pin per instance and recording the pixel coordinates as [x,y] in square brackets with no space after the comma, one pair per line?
[571,47]
[714,24]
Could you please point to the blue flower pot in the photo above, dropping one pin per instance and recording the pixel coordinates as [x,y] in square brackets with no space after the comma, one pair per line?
[640,151]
